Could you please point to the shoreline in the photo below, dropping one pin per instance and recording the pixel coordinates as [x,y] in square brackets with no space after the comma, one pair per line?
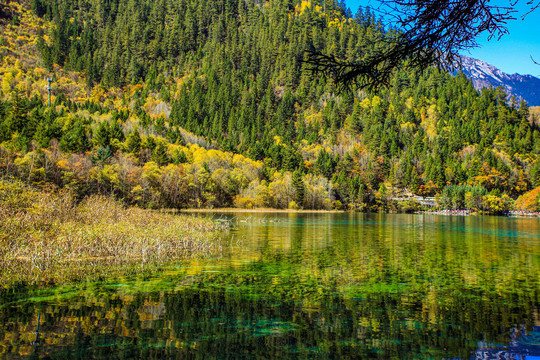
[445,212]
[257,210]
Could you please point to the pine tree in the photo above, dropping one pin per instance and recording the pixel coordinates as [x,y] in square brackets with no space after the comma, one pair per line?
[101,155]
[75,139]
[180,157]
[115,131]
[102,135]
[17,116]
[299,187]
[134,141]
[159,155]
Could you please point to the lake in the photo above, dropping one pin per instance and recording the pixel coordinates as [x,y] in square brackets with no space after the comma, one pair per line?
[305,286]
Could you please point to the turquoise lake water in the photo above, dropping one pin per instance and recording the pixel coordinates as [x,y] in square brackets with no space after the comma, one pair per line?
[305,286]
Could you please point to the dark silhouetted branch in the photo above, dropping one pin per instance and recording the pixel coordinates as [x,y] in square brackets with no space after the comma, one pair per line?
[432,33]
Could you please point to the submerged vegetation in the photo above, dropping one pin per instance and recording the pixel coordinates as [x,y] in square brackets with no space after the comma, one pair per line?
[320,285]
[48,236]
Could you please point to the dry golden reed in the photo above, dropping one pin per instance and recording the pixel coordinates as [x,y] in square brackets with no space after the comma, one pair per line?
[46,236]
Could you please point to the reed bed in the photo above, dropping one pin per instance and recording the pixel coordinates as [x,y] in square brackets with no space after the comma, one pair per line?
[46,236]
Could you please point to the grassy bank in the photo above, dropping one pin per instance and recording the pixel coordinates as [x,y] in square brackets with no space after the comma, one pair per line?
[46,236]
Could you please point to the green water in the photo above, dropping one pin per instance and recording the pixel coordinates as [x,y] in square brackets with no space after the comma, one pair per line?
[306,286]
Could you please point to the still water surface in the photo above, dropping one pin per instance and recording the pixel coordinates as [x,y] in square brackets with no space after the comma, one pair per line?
[306,286]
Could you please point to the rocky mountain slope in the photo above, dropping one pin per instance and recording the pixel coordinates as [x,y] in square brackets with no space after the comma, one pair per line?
[482,74]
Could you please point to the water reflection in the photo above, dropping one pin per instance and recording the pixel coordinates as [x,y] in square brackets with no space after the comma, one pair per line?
[326,286]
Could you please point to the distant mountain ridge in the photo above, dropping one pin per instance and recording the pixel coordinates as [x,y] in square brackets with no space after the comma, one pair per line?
[482,74]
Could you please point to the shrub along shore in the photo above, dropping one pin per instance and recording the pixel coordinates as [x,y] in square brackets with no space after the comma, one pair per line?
[47,236]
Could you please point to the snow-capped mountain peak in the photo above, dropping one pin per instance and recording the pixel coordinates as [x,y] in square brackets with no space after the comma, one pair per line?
[482,74]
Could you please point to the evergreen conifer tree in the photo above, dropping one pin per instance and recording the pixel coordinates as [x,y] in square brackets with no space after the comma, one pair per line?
[299,187]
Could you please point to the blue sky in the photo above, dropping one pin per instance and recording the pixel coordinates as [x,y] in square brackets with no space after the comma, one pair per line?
[512,53]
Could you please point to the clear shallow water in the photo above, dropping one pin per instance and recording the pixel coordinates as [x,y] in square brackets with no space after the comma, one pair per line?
[304,286]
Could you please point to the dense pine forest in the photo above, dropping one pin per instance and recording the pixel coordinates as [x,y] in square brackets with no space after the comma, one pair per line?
[209,103]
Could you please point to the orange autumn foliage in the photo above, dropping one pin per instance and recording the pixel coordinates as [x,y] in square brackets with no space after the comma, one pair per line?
[529,201]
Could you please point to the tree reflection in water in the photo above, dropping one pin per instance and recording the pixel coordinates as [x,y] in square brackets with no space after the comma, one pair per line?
[310,286]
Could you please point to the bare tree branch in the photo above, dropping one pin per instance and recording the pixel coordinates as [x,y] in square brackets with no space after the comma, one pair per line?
[432,33]
[533,7]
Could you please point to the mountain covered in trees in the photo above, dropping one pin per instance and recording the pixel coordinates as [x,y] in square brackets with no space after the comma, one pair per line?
[522,87]
[192,103]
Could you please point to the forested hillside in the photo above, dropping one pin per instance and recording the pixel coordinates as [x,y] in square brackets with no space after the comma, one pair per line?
[153,99]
